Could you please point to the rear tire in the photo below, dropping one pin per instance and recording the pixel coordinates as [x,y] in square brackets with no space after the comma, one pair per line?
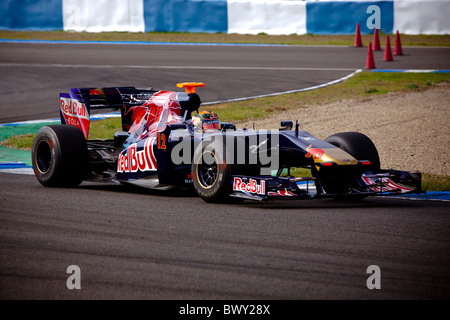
[59,156]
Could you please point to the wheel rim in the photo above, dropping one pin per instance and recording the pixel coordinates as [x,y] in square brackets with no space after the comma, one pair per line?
[43,157]
[207,174]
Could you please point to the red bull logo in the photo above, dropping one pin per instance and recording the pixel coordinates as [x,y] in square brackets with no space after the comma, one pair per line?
[74,108]
[315,153]
[133,160]
[75,113]
[252,186]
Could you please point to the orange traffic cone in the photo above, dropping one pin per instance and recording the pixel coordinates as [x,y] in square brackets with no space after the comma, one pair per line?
[376,41]
[398,45]
[370,62]
[387,50]
[358,41]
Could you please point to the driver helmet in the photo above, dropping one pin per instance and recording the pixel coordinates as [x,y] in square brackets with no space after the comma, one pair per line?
[206,120]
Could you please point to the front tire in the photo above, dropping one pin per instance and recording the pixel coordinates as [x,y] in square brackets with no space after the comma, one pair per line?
[59,156]
[357,145]
[211,172]
[341,180]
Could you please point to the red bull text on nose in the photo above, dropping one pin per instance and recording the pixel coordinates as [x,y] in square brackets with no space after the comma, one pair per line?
[252,186]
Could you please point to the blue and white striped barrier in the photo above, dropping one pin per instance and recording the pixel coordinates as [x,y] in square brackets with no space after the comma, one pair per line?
[228,16]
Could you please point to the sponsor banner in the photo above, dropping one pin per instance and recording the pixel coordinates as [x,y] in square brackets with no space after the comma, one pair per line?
[341,17]
[271,17]
[31,15]
[185,15]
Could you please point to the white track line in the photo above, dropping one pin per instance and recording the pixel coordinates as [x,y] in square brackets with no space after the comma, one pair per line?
[90,66]
[287,92]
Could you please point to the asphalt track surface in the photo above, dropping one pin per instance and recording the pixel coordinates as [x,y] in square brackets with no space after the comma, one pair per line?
[141,244]
[136,244]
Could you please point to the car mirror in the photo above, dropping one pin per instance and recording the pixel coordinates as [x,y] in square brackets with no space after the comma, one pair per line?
[286,125]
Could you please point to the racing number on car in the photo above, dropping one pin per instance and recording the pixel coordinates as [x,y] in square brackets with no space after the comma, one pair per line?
[162,141]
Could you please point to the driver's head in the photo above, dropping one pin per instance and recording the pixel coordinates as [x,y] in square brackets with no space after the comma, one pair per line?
[206,120]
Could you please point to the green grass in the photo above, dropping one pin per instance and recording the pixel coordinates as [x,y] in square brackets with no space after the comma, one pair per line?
[104,129]
[364,84]
[22,142]
[308,39]
[431,182]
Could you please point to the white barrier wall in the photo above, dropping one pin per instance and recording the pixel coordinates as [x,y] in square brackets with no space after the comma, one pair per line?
[271,17]
[422,16]
[103,15]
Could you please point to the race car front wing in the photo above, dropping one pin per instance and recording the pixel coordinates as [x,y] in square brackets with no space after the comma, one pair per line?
[384,182]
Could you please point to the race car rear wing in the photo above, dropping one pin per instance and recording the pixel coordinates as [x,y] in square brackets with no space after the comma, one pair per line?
[76,106]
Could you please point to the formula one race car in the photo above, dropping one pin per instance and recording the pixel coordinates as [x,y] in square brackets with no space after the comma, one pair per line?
[165,143]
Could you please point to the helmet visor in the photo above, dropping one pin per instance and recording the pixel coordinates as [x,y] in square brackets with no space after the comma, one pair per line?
[210,124]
